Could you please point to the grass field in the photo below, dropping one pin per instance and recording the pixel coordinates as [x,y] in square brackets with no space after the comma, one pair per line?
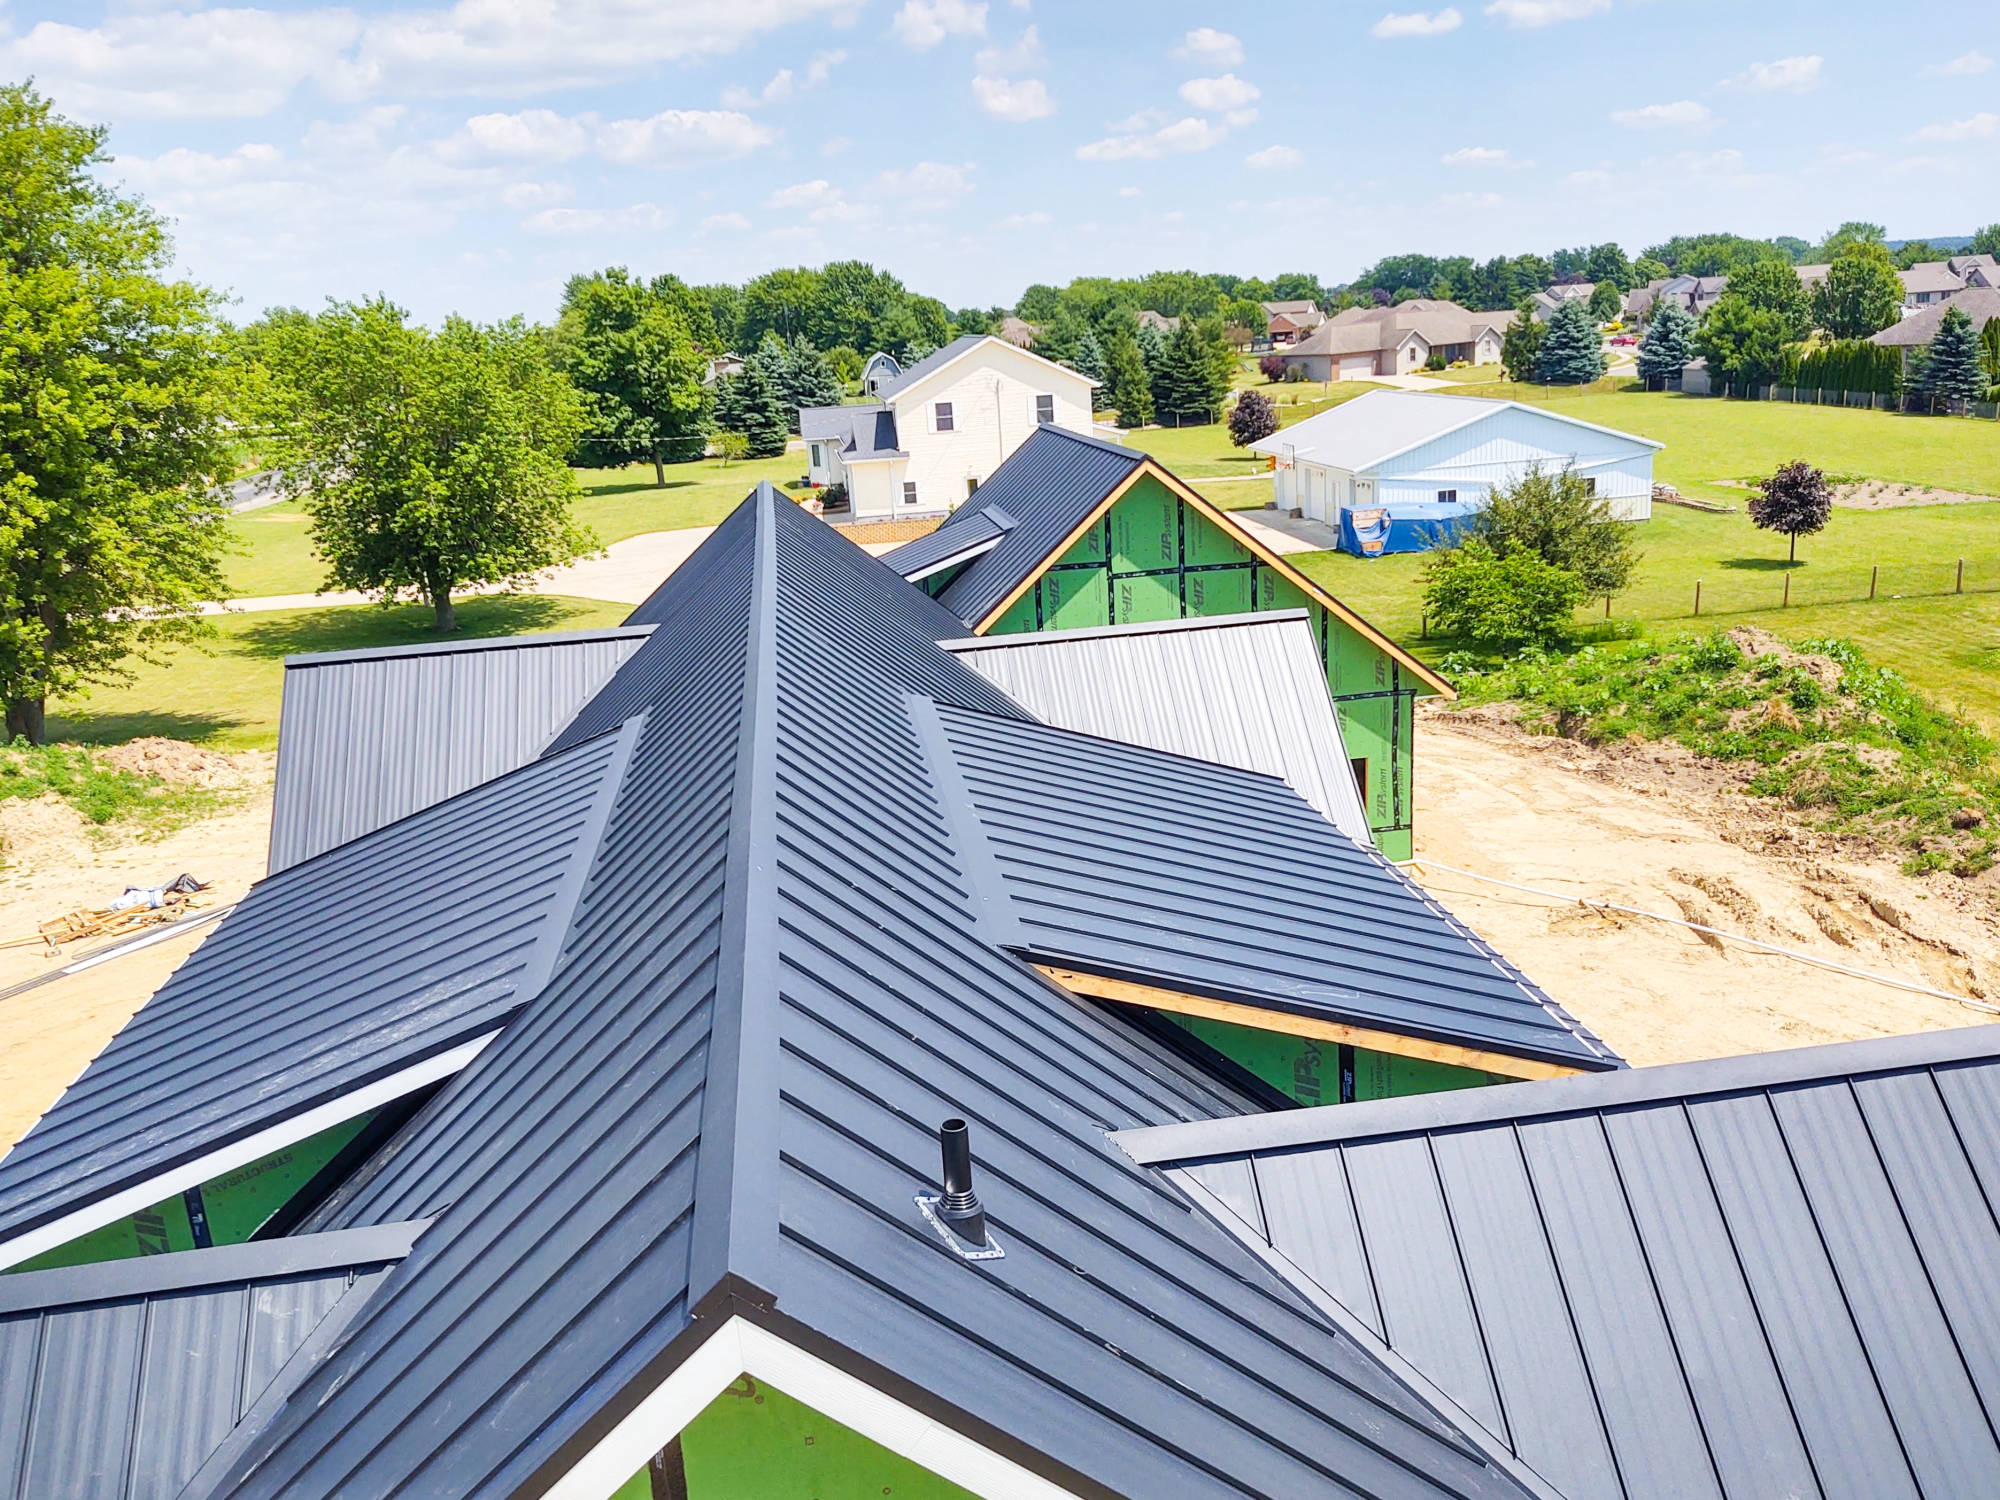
[228,695]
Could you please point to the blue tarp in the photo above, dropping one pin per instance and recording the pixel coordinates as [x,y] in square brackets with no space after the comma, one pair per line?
[1408,526]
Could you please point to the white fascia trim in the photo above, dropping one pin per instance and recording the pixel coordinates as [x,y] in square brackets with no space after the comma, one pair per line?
[287,1132]
[740,1347]
[964,554]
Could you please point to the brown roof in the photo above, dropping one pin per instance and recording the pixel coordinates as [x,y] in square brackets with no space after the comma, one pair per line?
[1977,303]
[1361,330]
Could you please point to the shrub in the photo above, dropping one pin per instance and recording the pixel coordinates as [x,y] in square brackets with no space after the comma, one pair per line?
[1252,417]
[1272,366]
[1436,361]
[1554,515]
[1499,602]
[1796,501]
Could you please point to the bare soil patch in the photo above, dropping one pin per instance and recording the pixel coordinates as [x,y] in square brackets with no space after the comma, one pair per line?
[1657,827]
[1885,494]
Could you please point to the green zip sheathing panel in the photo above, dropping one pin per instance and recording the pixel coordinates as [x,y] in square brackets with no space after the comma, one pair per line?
[1153,557]
[753,1442]
[1310,1072]
[225,1210]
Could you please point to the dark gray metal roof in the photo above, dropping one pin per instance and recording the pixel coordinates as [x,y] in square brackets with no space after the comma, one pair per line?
[1048,486]
[1190,876]
[936,359]
[330,975]
[1241,690]
[123,1380]
[367,737]
[727,1098]
[1766,1275]
[857,432]
[938,550]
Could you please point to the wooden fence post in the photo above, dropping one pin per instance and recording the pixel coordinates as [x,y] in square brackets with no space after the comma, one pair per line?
[1873,574]
[1697,598]
[1787,601]
[1961,577]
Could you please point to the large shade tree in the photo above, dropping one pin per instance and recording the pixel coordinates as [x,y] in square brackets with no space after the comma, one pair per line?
[628,350]
[428,462]
[1860,294]
[112,398]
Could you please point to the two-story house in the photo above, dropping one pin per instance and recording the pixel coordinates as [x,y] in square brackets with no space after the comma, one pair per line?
[941,426]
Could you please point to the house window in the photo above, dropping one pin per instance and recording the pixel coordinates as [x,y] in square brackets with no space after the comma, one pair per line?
[817,460]
[909,492]
[942,411]
[971,485]
[1045,409]
[1447,497]
[1590,486]
[1359,766]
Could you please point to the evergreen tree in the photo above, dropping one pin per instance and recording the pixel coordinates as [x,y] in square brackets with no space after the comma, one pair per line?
[1571,352]
[1127,388]
[1861,294]
[1952,367]
[1184,378]
[1090,361]
[810,380]
[1989,350]
[1519,348]
[747,404]
[1668,344]
[1152,347]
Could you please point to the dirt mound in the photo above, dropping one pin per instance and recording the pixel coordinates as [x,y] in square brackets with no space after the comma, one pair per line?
[1757,644]
[1883,494]
[178,763]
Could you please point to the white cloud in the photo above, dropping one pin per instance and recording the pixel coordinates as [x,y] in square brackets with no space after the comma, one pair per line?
[534,194]
[681,138]
[1274,157]
[833,145]
[1179,138]
[1965,65]
[803,195]
[821,67]
[1981,127]
[1528,13]
[574,221]
[1788,75]
[1483,156]
[1028,99]
[1218,94]
[922,24]
[1023,57]
[1417,23]
[1128,192]
[1682,114]
[533,135]
[779,88]
[729,223]
[1031,220]
[929,181]
[1150,118]
[1216,49]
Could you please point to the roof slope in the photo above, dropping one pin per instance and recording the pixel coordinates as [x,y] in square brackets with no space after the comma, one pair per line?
[727,1100]
[126,1379]
[1768,1275]
[1920,327]
[1360,434]
[367,737]
[938,550]
[857,432]
[1241,690]
[330,975]
[1193,877]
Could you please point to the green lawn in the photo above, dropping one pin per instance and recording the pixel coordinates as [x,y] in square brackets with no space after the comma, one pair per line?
[227,696]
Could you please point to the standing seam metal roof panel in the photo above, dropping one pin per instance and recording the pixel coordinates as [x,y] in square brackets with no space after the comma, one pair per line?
[368,737]
[1240,690]
[1778,1274]
[672,1123]
[327,976]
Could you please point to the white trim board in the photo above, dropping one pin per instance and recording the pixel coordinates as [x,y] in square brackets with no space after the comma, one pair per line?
[287,1132]
[740,1347]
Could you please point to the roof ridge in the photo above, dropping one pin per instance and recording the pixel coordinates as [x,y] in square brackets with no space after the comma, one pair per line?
[528,640]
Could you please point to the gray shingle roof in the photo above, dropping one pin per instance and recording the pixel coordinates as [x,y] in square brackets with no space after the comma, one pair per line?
[367,737]
[127,1379]
[1767,1275]
[337,972]
[725,1100]
[857,432]
[1200,878]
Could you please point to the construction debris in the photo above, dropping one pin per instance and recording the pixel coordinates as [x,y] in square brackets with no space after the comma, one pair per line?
[136,908]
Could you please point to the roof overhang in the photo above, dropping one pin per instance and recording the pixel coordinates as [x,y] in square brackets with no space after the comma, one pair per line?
[965,554]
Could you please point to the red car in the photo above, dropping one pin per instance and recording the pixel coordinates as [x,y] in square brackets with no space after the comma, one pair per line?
[1624,338]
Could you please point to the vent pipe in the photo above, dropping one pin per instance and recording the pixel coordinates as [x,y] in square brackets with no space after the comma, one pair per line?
[960,1207]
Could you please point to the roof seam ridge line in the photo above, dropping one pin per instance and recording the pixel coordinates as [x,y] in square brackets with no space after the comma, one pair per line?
[1486,1359]
[990,901]
[564,910]
[734,1225]
[534,641]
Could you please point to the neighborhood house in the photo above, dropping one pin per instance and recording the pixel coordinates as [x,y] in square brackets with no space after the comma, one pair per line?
[1288,322]
[1398,471]
[1361,343]
[940,427]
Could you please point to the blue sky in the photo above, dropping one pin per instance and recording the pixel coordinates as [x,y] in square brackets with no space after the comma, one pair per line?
[467,157]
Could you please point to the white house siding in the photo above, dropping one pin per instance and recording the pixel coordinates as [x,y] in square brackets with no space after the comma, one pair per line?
[875,490]
[1502,446]
[992,393]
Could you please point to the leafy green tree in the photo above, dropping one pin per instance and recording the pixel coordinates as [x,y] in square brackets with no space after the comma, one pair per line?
[846,361]
[1605,302]
[1499,602]
[1860,295]
[1553,514]
[784,302]
[1774,286]
[1743,343]
[1952,365]
[1607,262]
[1038,304]
[1128,388]
[1668,343]
[427,461]
[1798,250]
[1254,416]
[1986,241]
[731,446]
[1795,501]
[627,350]
[1852,234]
[1713,254]
[725,312]
[1521,347]
[1915,253]
[113,392]
[1572,353]
[1646,269]
[748,404]
[695,309]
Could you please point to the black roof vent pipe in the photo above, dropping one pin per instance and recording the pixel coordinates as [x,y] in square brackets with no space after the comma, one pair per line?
[956,1213]
[959,1207]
